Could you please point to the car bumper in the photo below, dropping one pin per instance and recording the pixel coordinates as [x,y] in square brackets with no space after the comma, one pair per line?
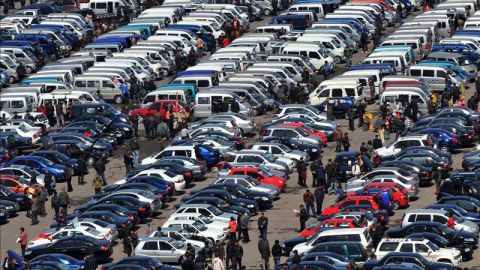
[413,193]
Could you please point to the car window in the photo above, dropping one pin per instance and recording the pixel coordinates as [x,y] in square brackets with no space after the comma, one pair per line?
[165,246]
[421,248]
[406,247]
[388,246]
[423,218]
[439,219]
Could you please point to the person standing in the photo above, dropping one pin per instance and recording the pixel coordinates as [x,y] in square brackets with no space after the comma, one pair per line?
[34,214]
[319,194]
[245,223]
[296,258]
[97,184]
[455,93]
[400,13]
[263,225]
[28,203]
[346,142]
[64,201]
[238,253]
[303,215]
[99,167]
[48,180]
[135,121]
[90,262]
[348,56]
[275,7]
[231,260]
[264,249]
[309,201]
[212,46]
[377,143]
[364,40]
[127,245]
[313,169]
[302,173]
[55,203]
[22,240]
[330,174]
[232,229]
[414,106]
[276,254]
[321,179]
[326,70]
[361,111]
[42,198]
[82,167]
[59,114]
[135,150]
[338,138]
[128,161]
[217,264]
[351,119]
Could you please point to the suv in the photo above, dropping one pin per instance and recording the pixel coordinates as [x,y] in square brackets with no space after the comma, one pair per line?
[423,247]
[351,250]
[437,215]
[406,141]
[262,157]
[200,152]
[290,108]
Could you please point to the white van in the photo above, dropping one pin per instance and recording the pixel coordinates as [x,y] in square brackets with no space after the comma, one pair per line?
[415,43]
[101,7]
[435,76]
[446,25]
[179,33]
[332,44]
[54,98]
[316,8]
[348,89]
[32,95]
[18,104]
[109,90]
[395,60]
[274,28]
[180,95]
[393,96]
[204,101]
[314,52]
[374,73]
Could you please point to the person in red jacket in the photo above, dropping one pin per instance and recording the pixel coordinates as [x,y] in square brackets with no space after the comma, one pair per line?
[450,221]
[232,229]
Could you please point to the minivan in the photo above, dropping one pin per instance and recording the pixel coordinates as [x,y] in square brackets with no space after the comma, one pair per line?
[393,96]
[204,103]
[435,76]
[315,53]
[319,96]
[180,95]
[202,79]
[15,104]
[352,250]
[105,85]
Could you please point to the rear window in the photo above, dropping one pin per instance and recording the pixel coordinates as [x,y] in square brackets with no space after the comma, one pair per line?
[388,246]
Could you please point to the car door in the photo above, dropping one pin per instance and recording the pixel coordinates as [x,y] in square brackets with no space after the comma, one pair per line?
[422,249]
[167,252]
[150,249]
[406,247]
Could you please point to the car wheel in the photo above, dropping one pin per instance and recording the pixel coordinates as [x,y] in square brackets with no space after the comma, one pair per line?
[29,70]
[395,205]
[337,60]
[267,12]
[90,161]
[11,80]
[445,148]
[118,99]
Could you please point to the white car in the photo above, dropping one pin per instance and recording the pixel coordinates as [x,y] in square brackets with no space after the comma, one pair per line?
[196,227]
[52,235]
[281,150]
[424,247]
[207,221]
[404,142]
[22,131]
[177,180]
[99,225]
[35,117]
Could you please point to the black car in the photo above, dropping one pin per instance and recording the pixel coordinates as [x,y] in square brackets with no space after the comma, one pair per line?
[155,181]
[220,204]
[467,136]
[458,187]
[111,134]
[144,261]
[121,129]
[467,203]
[60,158]
[77,246]
[251,205]
[408,257]
[3,214]
[441,242]
[94,110]
[87,131]
[114,208]
[313,150]
[428,160]
[434,227]
[263,199]
[11,207]
[239,142]
[99,145]
[143,208]
[8,195]
[74,148]
[143,186]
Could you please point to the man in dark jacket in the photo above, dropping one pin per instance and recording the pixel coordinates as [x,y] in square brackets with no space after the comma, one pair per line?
[303,215]
[263,225]
[276,254]
[230,256]
[351,119]
[296,258]
[264,249]
[320,175]
[81,168]
[377,143]
[319,194]
[135,150]
[238,253]
[313,169]
[90,262]
[99,167]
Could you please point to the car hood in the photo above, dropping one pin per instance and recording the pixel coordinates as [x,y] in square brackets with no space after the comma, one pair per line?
[292,242]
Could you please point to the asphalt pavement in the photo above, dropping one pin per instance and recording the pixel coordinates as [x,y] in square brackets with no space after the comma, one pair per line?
[282,221]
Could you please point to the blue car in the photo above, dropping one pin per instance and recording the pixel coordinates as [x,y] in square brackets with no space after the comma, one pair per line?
[340,105]
[40,164]
[457,211]
[345,161]
[67,261]
[446,139]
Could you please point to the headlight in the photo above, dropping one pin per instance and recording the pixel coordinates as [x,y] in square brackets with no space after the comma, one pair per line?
[264,198]
[123,119]
[125,129]
[250,205]
[9,207]
[469,239]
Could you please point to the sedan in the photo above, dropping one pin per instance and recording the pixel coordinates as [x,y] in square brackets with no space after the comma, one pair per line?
[67,261]
[147,262]
[162,249]
[250,183]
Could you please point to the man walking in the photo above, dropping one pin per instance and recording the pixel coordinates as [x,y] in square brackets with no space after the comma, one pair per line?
[82,167]
[309,201]
[263,225]
[338,138]
[264,249]
[319,194]
[321,179]
[326,69]
[364,40]
[34,214]
[64,201]
[351,119]
[135,150]
[22,240]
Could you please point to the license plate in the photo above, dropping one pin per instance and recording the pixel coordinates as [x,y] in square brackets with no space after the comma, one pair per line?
[467,250]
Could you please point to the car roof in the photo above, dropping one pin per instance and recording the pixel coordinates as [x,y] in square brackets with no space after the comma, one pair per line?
[425,211]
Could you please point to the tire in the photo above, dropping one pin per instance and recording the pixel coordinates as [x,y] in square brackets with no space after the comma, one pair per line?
[444,148]
[11,80]
[267,12]
[395,205]
[28,70]
[337,60]
[118,99]
[90,161]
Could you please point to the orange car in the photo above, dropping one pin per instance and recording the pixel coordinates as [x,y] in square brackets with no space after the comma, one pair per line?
[308,130]
[17,184]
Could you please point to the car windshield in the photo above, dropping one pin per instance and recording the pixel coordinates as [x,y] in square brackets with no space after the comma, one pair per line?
[92,231]
[176,243]
[264,170]
[284,148]
[205,219]
[200,226]
[432,246]
[269,157]
[214,210]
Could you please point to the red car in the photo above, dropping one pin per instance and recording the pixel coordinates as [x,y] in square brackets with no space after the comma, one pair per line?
[399,193]
[353,200]
[341,223]
[254,172]
[158,107]
[308,130]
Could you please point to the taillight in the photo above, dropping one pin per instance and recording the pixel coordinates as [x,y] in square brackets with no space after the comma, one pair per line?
[239,141]
[470,136]
[188,174]
[142,209]
[454,140]
[445,165]
[103,248]
[427,174]
[426,46]
[382,218]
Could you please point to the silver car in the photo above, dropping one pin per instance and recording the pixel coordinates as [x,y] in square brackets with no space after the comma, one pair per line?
[281,150]
[164,249]
[250,183]
[232,131]
[245,123]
